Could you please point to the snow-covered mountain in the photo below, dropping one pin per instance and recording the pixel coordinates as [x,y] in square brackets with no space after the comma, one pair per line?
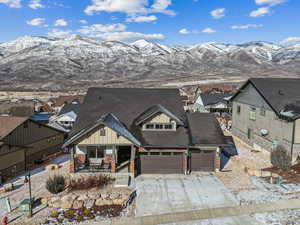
[77,62]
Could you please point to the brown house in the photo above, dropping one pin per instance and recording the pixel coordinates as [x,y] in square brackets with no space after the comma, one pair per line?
[142,131]
[23,143]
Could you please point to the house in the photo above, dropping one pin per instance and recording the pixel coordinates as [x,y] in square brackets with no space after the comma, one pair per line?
[66,117]
[23,108]
[24,143]
[142,131]
[213,103]
[266,114]
[58,103]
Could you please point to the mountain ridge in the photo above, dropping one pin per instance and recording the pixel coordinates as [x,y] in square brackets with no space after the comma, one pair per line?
[78,62]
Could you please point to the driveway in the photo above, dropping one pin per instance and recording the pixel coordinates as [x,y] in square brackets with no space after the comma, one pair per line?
[163,194]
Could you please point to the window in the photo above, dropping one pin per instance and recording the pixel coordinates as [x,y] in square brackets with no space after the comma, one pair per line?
[168,126]
[149,126]
[166,153]
[252,115]
[238,109]
[102,132]
[95,152]
[249,133]
[92,151]
[159,126]
[262,111]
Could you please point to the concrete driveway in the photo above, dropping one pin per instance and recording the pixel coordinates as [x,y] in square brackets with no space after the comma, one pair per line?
[163,194]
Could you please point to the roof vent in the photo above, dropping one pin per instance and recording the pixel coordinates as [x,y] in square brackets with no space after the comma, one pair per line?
[280,92]
[100,98]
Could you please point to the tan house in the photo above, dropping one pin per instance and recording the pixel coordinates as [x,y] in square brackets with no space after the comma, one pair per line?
[23,143]
[142,131]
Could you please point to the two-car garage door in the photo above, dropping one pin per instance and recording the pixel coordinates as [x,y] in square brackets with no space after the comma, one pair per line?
[173,163]
[162,163]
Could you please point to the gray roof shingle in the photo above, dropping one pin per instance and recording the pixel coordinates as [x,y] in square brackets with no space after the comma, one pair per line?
[205,129]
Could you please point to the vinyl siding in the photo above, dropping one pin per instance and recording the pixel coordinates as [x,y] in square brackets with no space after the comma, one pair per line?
[110,137]
[11,159]
[34,132]
[279,130]
[159,118]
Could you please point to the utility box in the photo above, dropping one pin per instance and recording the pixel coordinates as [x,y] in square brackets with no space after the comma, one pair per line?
[24,205]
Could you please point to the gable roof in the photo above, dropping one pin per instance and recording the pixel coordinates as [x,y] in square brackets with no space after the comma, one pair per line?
[205,130]
[9,123]
[110,121]
[68,108]
[281,94]
[214,98]
[153,110]
[127,104]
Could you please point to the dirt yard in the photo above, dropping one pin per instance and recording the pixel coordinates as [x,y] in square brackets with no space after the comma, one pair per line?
[234,176]
[38,180]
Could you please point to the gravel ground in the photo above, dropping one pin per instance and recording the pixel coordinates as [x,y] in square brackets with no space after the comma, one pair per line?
[234,176]
[38,180]
[290,217]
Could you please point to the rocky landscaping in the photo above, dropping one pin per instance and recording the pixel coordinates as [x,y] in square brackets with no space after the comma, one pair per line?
[90,205]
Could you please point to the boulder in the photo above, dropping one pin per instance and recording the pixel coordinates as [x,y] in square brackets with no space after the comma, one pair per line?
[94,195]
[67,202]
[89,203]
[99,202]
[8,187]
[83,197]
[78,204]
[45,201]
[55,204]
[115,195]
[52,167]
[118,201]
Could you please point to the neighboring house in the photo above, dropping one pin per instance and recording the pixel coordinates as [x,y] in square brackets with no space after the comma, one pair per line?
[24,142]
[42,117]
[24,108]
[143,131]
[66,116]
[58,103]
[213,103]
[266,114]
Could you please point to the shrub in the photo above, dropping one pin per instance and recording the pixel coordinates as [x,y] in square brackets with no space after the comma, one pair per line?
[280,158]
[56,184]
[96,181]
[69,213]
[54,214]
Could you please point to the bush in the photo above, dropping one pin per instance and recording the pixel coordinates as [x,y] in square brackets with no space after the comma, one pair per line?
[56,184]
[96,181]
[280,158]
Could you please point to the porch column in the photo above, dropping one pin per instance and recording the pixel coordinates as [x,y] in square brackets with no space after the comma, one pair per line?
[218,160]
[113,161]
[72,168]
[185,161]
[132,160]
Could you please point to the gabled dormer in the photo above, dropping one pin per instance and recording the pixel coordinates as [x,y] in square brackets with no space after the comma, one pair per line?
[158,118]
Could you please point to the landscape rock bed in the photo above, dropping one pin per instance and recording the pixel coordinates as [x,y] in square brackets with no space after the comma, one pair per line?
[96,213]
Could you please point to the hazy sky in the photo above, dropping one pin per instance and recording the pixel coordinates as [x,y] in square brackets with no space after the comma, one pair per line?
[181,22]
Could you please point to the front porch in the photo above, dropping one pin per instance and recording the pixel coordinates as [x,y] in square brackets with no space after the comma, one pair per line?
[103,158]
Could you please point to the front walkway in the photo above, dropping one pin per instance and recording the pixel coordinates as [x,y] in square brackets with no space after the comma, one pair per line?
[236,213]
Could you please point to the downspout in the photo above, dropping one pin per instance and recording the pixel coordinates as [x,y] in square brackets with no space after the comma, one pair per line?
[293,139]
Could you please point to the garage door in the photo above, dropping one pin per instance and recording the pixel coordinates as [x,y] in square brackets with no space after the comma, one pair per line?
[161,164]
[202,160]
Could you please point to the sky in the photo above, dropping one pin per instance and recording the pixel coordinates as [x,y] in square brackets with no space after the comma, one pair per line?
[172,22]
